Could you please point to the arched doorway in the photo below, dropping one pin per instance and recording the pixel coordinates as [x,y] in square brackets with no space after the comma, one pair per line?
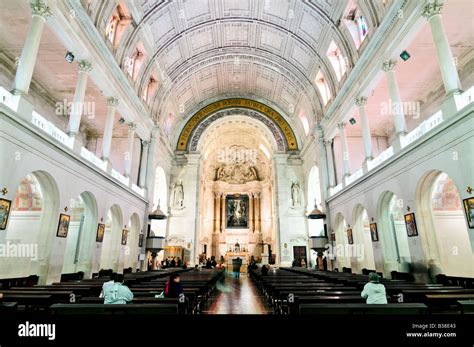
[393,234]
[341,251]
[111,245]
[443,229]
[131,249]
[31,227]
[362,239]
[315,226]
[81,235]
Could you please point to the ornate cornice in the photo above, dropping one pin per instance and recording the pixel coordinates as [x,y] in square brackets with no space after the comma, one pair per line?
[432,9]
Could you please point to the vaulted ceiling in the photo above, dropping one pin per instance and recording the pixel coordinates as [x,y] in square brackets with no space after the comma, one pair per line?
[212,49]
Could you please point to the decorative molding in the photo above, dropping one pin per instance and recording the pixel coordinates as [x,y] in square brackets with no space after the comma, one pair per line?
[193,123]
[132,126]
[341,126]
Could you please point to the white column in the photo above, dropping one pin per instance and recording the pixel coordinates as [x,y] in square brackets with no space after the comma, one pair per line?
[449,74]
[78,101]
[129,154]
[143,164]
[396,106]
[330,160]
[29,53]
[323,163]
[150,169]
[112,104]
[361,101]
[432,12]
[345,150]
[251,213]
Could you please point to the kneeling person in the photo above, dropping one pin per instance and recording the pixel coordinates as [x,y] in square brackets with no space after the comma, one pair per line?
[374,291]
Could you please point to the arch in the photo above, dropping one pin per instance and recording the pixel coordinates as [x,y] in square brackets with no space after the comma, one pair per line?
[32,229]
[392,233]
[193,123]
[442,227]
[361,228]
[341,242]
[81,235]
[131,249]
[111,245]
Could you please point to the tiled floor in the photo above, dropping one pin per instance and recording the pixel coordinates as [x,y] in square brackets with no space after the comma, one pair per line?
[237,296]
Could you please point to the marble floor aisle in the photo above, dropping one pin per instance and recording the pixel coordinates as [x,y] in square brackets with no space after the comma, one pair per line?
[237,296]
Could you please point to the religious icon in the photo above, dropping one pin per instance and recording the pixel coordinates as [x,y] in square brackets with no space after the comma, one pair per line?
[237,211]
[4,213]
[124,236]
[63,225]
[410,223]
[350,239]
[374,234]
[469,210]
[178,195]
[295,194]
[140,240]
[100,232]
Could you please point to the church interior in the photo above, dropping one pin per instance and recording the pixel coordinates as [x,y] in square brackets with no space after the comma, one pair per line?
[224,157]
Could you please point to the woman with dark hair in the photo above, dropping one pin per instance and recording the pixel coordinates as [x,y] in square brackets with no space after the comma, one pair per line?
[173,288]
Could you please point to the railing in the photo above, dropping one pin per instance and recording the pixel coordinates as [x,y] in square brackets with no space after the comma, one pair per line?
[91,157]
[380,158]
[49,128]
[356,175]
[422,129]
[138,190]
[119,177]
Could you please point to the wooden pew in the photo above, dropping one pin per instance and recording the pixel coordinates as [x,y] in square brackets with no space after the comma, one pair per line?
[362,309]
[467,306]
[120,310]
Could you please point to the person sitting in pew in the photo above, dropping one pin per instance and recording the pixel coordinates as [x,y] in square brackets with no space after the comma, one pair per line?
[107,284]
[173,288]
[374,291]
[264,270]
[118,293]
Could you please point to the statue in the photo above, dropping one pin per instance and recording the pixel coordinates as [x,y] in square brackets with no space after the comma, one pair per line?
[295,194]
[236,173]
[178,195]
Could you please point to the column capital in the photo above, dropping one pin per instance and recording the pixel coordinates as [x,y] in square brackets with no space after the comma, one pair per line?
[39,8]
[389,65]
[85,66]
[318,131]
[432,9]
[361,101]
[341,125]
[145,143]
[132,126]
[328,142]
[112,101]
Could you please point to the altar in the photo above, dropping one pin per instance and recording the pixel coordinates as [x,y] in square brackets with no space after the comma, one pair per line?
[230,256]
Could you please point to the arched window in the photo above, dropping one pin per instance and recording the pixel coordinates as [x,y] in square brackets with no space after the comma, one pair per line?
[134,62]
[337,60]
[149,89]
[356,23]
[323,87]
[117,24]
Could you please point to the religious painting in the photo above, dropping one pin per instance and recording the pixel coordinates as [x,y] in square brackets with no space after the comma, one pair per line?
[469,210]
[410,223]
[124,237]
[5,206]
[100,232]
[237,211]
[63,225]
[350,239]
[140,240]
[374,234]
